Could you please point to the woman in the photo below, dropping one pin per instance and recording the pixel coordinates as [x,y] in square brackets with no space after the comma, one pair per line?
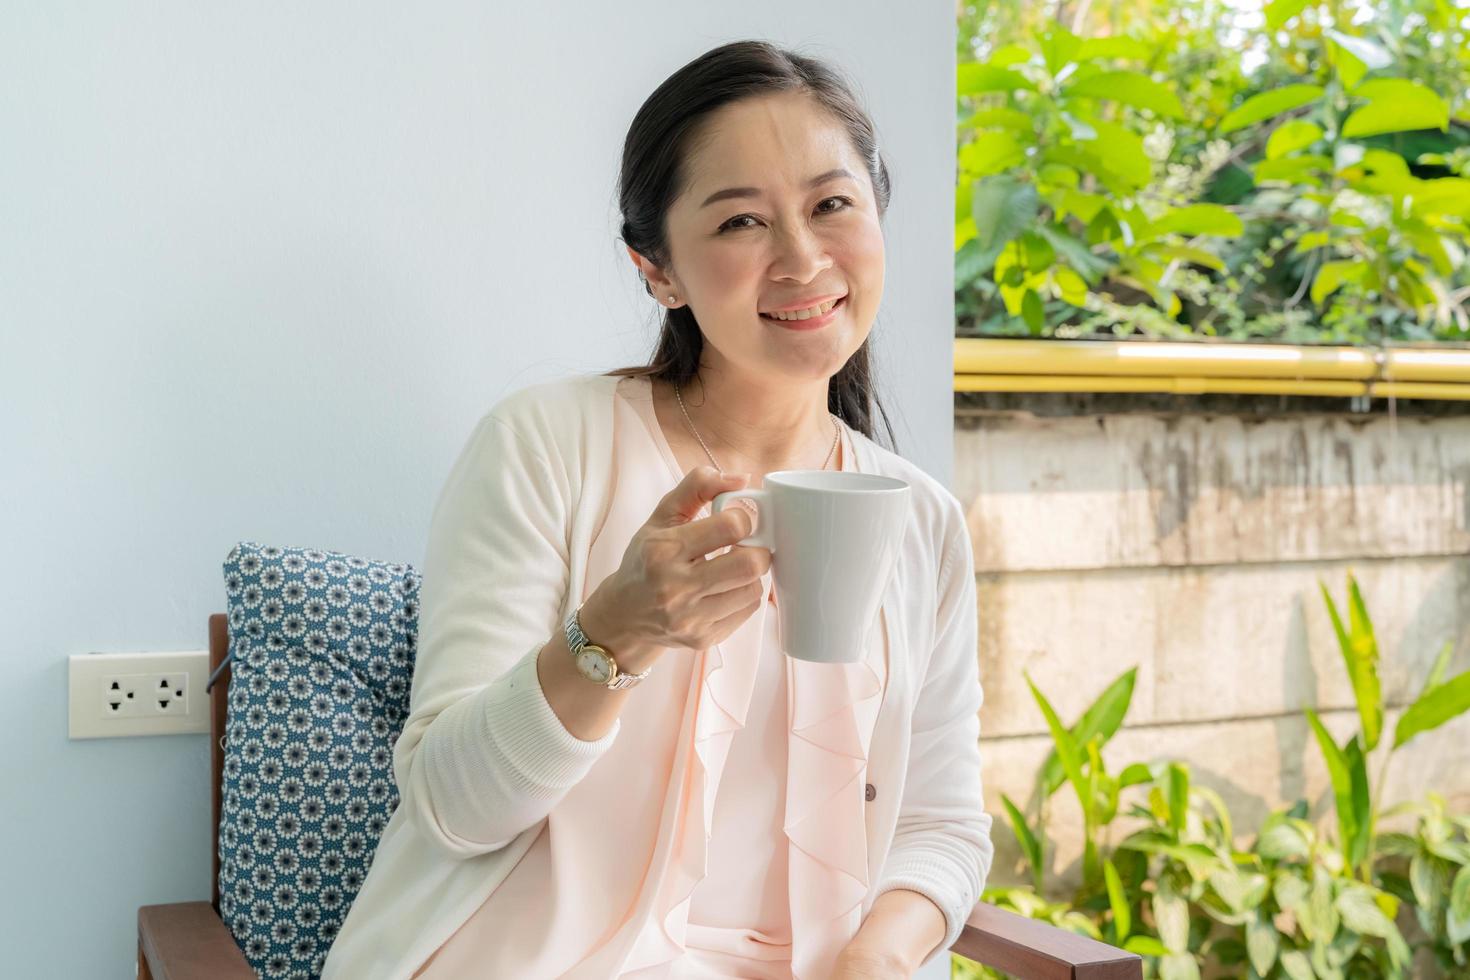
[720,810]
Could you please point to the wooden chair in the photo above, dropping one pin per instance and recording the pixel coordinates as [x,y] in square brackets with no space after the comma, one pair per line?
[188,941]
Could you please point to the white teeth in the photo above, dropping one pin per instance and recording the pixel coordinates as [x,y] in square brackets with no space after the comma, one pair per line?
[806,314]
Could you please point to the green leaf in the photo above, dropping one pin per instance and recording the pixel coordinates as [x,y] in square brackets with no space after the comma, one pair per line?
[1122,918]
[1349,67]
[1199,219]
[1359,650]
[1290,136]
[1302,169]
[1434,708]
[1038,251]
[992,151]
[974,79]
[1281,841]
[1333,275]
[1372,55]
[1428,243]
[1311,240]
[1458,921]
[1030,846]
[1430,880]
[1318,919]
[1121,152]
[1134,774]
[1100,720]
[1171,917]
[1340,769]
[1396,105]
[1278,12]
[1130,88]
[1441,663]
[1033,312]
[1188,253]
[1240,891]
[1178,966]
[1066,745]
[1003,207]
[1073,290]
[1268,104]
[1059,48]
[1361,839]
[1296,966]
[1058,175]
[1198,858]
[1178,797]
[1460,893]
[1290,892]
[1000,117]
[1076,254]
[1010,54]
[1114,46]
[1262,943]
[1361,913]
[1443,195]
[1145,946]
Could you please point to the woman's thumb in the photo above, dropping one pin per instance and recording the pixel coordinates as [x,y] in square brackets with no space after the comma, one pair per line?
[699,486]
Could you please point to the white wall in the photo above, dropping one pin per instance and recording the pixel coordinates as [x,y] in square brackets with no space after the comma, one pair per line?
[261,269]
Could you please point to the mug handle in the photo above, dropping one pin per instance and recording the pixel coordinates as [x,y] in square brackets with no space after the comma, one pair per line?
[762,537]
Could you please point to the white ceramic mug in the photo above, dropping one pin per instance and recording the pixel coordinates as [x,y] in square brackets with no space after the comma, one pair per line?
[834,537]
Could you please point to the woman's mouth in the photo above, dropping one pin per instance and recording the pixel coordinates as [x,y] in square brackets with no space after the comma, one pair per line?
[811,322]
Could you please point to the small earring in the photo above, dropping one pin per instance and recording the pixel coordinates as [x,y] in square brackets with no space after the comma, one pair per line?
[673,298]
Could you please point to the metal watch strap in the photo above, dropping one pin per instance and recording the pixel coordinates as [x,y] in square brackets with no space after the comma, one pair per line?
[576,639]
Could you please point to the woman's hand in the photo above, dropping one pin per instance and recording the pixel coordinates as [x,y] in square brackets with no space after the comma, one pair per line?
[666,593]
[860,964]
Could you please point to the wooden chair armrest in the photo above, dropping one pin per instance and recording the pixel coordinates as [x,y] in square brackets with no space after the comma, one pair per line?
[187,941]
[1039,950]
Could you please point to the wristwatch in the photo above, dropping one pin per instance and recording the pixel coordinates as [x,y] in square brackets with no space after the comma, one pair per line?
[594,662]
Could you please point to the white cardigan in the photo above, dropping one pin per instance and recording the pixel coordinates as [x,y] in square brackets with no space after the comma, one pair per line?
[483,759]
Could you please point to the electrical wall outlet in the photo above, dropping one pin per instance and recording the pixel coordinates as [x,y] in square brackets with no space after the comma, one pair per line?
[117,694]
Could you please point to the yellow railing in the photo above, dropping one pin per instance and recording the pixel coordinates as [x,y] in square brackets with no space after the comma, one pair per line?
[1002,364]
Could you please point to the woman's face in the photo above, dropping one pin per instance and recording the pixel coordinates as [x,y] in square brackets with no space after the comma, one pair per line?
[778,240]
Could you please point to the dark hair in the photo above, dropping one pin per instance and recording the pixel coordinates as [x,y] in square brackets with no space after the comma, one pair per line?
[653,175]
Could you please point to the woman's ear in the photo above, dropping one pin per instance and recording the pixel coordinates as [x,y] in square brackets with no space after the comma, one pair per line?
[659,286]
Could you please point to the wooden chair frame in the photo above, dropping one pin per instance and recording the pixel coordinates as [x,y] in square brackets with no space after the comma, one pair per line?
[188,941]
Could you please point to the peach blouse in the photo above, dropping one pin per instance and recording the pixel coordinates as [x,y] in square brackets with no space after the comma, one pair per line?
[773,886]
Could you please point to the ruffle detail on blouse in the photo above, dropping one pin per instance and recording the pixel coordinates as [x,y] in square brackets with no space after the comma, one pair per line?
[834,707]
[726,684]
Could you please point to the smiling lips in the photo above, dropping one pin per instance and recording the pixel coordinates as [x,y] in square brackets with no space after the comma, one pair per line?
[810,319]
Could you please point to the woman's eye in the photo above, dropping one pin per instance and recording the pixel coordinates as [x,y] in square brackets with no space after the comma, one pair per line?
[732,226]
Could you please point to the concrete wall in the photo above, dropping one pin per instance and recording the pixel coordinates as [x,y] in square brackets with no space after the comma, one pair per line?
[1191,546]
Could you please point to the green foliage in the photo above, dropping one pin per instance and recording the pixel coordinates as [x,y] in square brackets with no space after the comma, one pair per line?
[1296,903]
[1126,172]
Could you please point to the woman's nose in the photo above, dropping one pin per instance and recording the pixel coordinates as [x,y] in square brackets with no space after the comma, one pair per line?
[802,254]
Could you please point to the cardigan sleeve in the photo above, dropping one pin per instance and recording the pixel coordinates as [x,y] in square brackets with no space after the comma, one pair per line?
[482,757]
[941,846]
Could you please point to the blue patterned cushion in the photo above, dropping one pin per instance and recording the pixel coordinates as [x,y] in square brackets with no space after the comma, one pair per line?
[321,653]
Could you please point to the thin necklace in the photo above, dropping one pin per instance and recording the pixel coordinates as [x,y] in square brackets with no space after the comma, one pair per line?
[836,434]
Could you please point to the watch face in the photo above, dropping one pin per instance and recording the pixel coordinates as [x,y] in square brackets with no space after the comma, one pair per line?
[594,665]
